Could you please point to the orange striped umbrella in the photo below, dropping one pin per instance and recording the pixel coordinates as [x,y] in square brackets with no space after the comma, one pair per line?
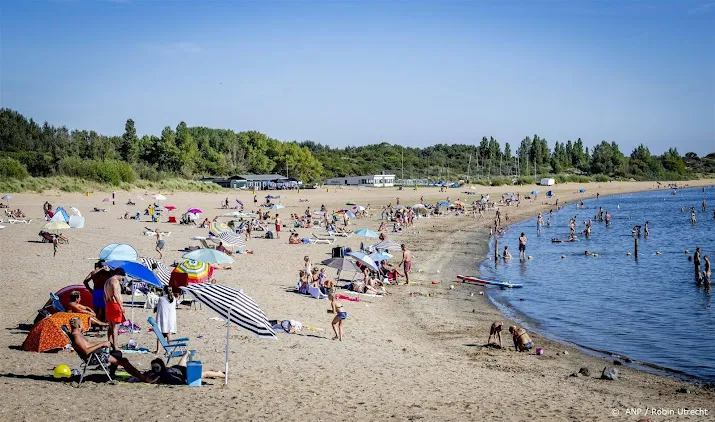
[47,334]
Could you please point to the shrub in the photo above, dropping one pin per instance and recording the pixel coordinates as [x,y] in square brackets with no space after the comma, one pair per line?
[525,180]
[10,168]
[112,172]
[602,178]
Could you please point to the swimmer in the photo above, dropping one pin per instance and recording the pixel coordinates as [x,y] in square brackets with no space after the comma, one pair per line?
[708,272]
[587,253]
[645,229]
[692,216]
[522,246]
[696,261]
[506,255]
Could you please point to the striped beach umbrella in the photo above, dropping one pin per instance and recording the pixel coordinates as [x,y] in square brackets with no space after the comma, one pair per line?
[231,239]
[190,271]
[162,271]
[215,228]
[236,308]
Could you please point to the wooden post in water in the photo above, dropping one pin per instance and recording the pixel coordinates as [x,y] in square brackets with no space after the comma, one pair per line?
[496,249]
[636,246]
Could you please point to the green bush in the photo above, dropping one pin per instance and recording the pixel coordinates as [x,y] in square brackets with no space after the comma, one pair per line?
[501,181]
[10,168]
[526,180]
[111,172]
[602,178]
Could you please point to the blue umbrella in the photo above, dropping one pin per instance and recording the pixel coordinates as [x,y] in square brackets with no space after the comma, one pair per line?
[118,252]
[380,256]
[276,207]
[136,270]
[209,256]
[350,214]
[443,203]
[365,259]
[366,233]
[6,197]
[582,190]
[534,192]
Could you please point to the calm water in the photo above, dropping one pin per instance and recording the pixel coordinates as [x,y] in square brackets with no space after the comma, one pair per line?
[649,310]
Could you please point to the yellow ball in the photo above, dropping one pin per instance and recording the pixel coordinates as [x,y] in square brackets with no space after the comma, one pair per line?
[62,371]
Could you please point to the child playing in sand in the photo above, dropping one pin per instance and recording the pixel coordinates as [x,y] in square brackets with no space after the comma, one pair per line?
[522,341]
[495,331]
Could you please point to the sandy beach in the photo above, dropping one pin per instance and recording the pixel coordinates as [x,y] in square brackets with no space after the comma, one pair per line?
[403,357]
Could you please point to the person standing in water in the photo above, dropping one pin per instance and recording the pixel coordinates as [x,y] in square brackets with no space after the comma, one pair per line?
[692,216]
[645,229]
[704,206]
[522,246]
[696,261]
[539,224]
[608,218]
[708,272]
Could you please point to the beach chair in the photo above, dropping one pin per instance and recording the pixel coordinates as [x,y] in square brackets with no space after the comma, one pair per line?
[321,240]
[172,348]
[92,359]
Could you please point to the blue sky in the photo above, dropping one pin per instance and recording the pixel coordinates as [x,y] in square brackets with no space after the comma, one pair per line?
[342,73]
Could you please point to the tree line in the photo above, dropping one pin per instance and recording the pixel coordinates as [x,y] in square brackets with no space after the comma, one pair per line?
[28,148]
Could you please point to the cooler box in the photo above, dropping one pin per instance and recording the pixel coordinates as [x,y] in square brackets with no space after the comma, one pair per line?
[193,373]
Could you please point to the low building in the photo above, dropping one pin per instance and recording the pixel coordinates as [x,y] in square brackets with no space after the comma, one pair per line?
[375,180]
[257,182]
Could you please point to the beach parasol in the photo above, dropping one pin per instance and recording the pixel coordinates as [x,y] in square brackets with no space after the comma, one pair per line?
[56,226]
[387,245]
[47,334]
[137,271]
[535,192]
[380,256]
[236,307]
[161,271]
[399,207]
[189,272]
[7,197]
[118,252]
[194,211]
[159,197]
[170,207]
[416,206]
[341,264]
[216,228]
[350,203]
[365,259]
[358,208]
[240,202]
[581,190]
[209,256]
[76,212]
[365,233]
[107,199]
[276,207]
[444,203]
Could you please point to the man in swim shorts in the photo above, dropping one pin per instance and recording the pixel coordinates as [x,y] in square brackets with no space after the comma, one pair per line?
[278,227]
[160,243]
[406,262]
[115,309]
[98,276]
[522,246]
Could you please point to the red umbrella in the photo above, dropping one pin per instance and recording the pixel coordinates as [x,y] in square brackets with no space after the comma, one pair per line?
[47,334]
[170,207]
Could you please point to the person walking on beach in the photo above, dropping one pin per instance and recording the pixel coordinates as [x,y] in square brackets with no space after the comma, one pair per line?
[696,262]
[278,227]
[340,316]
[114,194]
[522,246]
[406,262]
[114,303]
[55,242]
[160,243]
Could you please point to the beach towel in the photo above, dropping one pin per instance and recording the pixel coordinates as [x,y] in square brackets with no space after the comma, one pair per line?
[348,298]
[316,293]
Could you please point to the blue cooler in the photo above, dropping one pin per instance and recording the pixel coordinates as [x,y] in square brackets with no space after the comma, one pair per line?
[193,373]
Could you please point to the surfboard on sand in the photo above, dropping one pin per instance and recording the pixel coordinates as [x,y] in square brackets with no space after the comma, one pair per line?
[484,282]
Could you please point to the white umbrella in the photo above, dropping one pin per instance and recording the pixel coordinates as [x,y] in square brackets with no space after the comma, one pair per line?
[236,307]
[159,197]
[76,211]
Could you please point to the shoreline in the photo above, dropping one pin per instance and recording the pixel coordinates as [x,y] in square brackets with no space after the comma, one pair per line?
[512,313]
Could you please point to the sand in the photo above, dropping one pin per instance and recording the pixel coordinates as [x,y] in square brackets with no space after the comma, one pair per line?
[403,357]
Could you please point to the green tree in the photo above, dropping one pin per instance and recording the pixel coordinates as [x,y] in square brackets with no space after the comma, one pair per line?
[129,146]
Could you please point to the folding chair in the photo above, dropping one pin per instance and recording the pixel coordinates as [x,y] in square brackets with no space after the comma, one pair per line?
[92,359]
[172,348]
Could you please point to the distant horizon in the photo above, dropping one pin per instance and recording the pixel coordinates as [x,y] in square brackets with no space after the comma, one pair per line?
[357,73]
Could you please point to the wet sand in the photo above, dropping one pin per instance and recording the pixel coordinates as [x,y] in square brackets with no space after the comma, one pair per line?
[403,357]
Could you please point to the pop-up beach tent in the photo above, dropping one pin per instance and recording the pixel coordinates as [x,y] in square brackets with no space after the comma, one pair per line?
[61,215]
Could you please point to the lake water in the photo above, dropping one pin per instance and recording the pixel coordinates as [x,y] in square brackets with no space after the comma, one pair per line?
[649,309]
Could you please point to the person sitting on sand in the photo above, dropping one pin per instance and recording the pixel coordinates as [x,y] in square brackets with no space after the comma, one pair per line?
[101,350]
[174,375]
[294,239]
[77,307]
[522,341]
[495,331]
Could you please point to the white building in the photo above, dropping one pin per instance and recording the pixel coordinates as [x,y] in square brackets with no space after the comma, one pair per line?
[376,180]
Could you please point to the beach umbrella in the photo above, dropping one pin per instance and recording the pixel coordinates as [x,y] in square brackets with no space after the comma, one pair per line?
[56,226]
[535,192]
[365,259]
[350,203]
[118,252]
[170,207]
[139,197]
[236,307]
[194,211]
[399,207]
[240,202]
[239,214]
[47,334]
[230,238]
[358,208]
[387,245]
[582,190]
[159,197]
[190,272]
[209,256]
[341,264]
[137,271]
[76,212]
[444,203]
[365,233]
[319,212]
[161,271]
[7,197]
[216,228]
[416,206]
[380,256]
[107,199]
[276,207]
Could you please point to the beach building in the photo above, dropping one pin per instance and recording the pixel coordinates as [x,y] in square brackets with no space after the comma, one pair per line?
[256,182]
[375,180]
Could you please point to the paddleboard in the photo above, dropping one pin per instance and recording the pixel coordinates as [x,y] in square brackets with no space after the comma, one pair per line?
[475,280]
